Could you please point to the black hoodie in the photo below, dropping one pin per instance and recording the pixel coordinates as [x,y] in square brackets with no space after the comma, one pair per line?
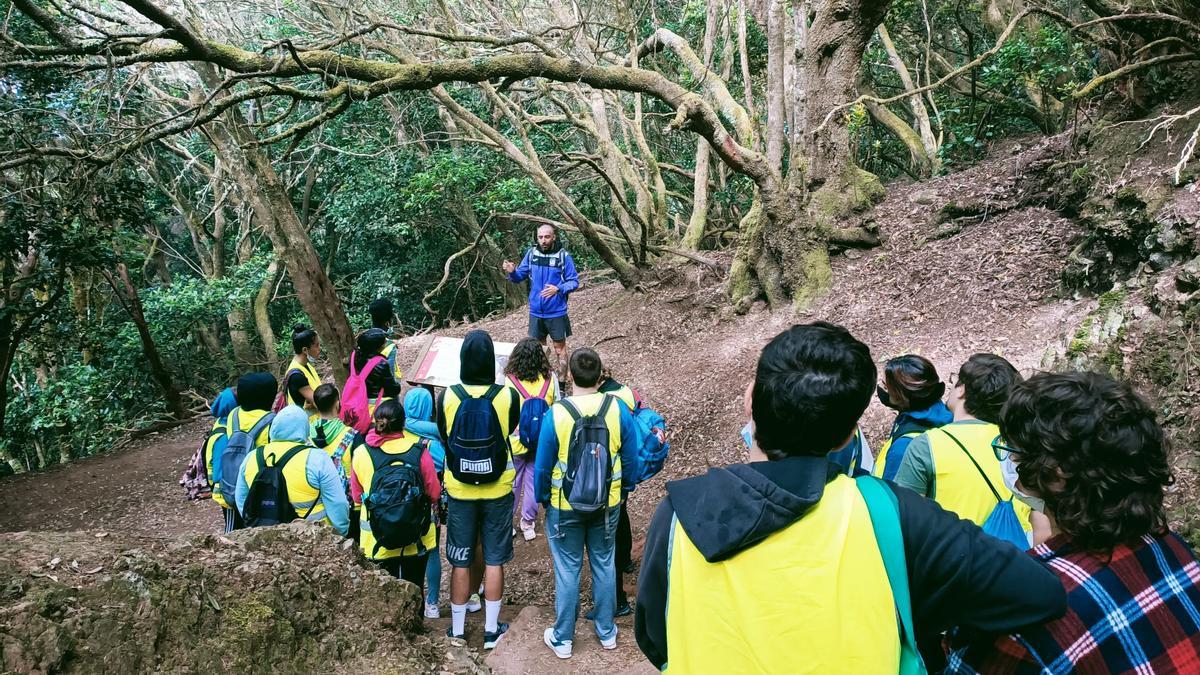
[256,391]
[477,359]
[958,576]
[477,367]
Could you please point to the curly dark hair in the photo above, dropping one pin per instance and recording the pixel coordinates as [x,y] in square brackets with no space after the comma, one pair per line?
[1093,449]
[528,361]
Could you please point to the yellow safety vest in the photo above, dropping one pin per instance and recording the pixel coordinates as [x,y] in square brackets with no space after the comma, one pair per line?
[502,403]
[881,458]
[304,497]
[957,486]
[397,371]
[564,428]
[246,421]
[310,374]
[534,388]
[364,471]
[811,598]
[624,393]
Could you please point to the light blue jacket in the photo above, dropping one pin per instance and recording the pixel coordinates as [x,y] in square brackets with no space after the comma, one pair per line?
[291,424]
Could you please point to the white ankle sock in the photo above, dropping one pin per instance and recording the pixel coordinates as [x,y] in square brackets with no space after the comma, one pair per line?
[491,615]
[458,619]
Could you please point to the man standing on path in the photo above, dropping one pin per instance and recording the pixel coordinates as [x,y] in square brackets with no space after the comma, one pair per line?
[552,277]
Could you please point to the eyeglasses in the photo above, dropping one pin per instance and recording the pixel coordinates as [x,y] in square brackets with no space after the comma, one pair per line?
[1004,451]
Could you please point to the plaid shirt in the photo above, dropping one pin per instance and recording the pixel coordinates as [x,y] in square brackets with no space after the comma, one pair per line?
[1138,612]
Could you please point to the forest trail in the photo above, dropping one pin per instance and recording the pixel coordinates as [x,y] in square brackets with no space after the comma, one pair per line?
[985,282]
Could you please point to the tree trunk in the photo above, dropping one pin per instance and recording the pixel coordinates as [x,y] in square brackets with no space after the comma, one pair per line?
[931,164]
[243,352]
[699,217]
[262,320]
[784,252]
[128,296]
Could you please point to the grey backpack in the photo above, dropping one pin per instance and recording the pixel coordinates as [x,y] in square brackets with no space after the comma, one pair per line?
[239,445]
[588,479]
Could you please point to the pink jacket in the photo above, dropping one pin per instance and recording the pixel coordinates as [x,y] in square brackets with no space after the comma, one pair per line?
[433,487]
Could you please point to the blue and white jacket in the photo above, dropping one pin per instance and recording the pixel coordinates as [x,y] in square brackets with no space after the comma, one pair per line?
[556,268]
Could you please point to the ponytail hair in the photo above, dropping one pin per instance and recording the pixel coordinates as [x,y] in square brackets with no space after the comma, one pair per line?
[303,337]
[389,417]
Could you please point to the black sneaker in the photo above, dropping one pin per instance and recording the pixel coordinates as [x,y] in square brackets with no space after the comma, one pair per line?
[629,568]
[490,639]
[623,609]
[450,634]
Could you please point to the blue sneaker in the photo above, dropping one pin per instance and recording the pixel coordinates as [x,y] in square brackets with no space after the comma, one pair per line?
[450,634]
[490,639]
[561,648]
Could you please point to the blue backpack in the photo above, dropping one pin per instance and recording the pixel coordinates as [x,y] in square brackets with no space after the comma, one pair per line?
[477,450]
[533,409]
[1003,522]
[652,454]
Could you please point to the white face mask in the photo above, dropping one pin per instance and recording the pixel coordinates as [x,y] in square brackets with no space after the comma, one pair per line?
[1009,470]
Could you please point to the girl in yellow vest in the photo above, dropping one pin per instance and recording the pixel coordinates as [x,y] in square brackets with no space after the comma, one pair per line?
[388,442]
[528,372]
[774,566]
[255,392]
[912,388]
[313,485]
[302,379]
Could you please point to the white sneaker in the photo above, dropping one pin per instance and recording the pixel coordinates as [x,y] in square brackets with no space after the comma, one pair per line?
[432,611]
[561,649]
[610,643]
[527,530]
[474,604]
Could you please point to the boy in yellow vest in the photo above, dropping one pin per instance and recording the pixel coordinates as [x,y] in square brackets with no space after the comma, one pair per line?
[570,526]
[478,510]
[773,566]
[955,464]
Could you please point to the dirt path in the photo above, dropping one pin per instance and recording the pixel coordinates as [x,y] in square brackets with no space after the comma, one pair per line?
[990,287]
[135,490]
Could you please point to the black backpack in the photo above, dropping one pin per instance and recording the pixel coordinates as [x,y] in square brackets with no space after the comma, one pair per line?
[588,479]
[267,502]
[399,508]
[477,450]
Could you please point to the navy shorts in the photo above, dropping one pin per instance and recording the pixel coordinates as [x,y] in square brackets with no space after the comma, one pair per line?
[472,520]
[558,328]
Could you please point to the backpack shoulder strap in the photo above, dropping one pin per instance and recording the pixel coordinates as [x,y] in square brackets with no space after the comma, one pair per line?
[232,422]
[545,388]
[972,458]
[608,399]
[525,396]
[460,392]
[571,409]
[261,424]
[492,392]
[884,510]
[287,456]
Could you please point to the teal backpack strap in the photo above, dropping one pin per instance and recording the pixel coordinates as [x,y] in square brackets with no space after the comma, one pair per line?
[885,520]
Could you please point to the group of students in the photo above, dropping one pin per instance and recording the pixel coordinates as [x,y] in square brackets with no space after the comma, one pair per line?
[800,560]
[1006,525]
[402,475]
